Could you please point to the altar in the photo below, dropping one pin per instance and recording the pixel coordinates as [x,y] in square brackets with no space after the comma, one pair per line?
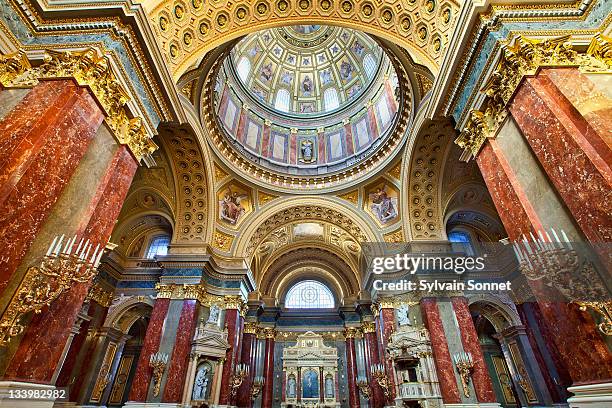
[310,373]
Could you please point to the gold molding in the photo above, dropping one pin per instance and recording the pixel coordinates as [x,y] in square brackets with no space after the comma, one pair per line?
[222,241]
[89,70]
[264,198]
[395,236]
[521,58]
[100,295]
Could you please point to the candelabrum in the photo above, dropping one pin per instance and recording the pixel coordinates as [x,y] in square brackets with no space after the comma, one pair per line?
[158,363]
[551,258]
[364,388]
[61,267]
[465,366]
[378,373]
[241,371]
[257,387]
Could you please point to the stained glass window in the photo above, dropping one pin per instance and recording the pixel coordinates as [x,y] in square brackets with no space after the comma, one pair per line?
[309,294]
[159,246]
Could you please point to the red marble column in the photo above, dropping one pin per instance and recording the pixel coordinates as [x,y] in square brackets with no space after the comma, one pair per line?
[387,320]
[247,356]
[322,158]
[514,208]
[377,398]
[469,339]
[268,372]
[233,323]
[265,140]
[570,150]
[40,350]
[582,350]
[444,364]
[43,139]
[179,360]
[351,369]
[142,377]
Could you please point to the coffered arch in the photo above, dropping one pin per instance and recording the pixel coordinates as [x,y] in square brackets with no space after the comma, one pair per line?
[289,210]
[188,29]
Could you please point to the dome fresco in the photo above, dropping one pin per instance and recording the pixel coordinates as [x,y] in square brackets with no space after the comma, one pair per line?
[307,69]
[307,100]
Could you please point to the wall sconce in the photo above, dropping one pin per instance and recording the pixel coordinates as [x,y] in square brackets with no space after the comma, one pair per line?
[240,373]
[548,256]
[257,387]
[61,267]
[158,362]
[378,372]
[465,367]
[364,387]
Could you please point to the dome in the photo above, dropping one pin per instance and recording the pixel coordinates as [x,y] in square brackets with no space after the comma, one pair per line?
[306,70]
[307,104]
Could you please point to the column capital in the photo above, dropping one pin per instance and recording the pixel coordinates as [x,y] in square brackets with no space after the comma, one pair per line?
[368,327]
[350,332]
[522,57]
[91,70]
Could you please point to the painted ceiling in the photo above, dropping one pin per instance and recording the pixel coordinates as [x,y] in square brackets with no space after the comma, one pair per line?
[307,69]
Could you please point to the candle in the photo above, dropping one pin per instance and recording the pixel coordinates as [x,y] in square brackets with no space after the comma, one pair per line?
[556,237]
[566,239]
[79,247]
[93,257]
[51,246]
[99,257]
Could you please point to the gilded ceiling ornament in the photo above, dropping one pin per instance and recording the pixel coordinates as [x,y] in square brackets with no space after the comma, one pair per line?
[394,237]
[523,57]
[222,241]
[264,198]
[351,196]
[396,171]
[220,174]
[94,72]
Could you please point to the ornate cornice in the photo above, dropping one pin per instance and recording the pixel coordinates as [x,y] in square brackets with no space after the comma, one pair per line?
[89,70]
[520,58]
[199,293]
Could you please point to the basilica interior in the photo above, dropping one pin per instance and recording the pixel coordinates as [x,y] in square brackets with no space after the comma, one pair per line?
[190,192]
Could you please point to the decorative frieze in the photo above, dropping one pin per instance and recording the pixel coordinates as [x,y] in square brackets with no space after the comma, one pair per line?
[89,70]
[520,58]
[198,292]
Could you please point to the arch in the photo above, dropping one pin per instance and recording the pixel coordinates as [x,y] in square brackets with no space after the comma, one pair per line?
[282,100]
[286,210]
[309,294]
[331,100]
[500,311]
[369,63]
[400,22]
[243,68]
[126,310]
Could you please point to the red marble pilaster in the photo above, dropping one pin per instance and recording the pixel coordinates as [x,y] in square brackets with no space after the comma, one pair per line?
[514,209]
[142,377]
[240,130]
[390,95]
[442,357]
[79,356]
[348,138]
[179,360]
[377,398]
[265,140]
[322,158]
[293,147]
[469,339]
[387,318]
[43,140]
[579,170]
[372,121]
[268,373]
[233,323]
[247,356]
[351,372]
[40,350]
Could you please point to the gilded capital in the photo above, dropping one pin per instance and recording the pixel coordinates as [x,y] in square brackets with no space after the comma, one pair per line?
[12,66]
[89,70]
[100,295]
[164,291]
[269,332]
[368,327]
[350,332]
[250,328]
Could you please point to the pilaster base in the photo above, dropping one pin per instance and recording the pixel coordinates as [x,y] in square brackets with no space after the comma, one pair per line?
[591,395]
[17,388]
